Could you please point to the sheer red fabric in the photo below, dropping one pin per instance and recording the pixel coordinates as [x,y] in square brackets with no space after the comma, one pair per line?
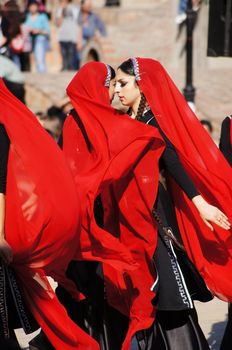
[42,220]
[112,157]
[206,166]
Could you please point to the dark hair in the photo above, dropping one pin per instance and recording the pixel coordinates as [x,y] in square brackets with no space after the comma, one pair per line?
[207,123]
[127,67]
[11,20]
[112,72]
[33,2]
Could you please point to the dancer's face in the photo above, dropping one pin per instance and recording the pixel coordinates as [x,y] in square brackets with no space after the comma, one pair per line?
[127,89]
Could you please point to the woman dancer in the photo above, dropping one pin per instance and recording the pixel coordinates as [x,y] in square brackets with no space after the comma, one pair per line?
[40,220]
[145,87]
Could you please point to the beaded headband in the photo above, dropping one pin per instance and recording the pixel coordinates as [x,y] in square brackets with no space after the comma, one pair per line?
[108,77]
[135,64]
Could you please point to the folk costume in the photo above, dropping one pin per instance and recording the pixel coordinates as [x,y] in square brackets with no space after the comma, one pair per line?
[210,176]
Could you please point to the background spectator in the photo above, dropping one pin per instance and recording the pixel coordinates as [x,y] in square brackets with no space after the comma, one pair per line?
[90,22]
[38,26]
[24,54]
[11,30]
[69,35]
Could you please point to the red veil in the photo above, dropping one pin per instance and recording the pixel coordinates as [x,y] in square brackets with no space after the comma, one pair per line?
[42,219]
[206,166]
[117,157]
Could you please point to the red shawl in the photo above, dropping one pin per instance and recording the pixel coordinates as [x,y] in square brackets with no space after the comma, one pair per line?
[206,166]
[117,157]
[42,219]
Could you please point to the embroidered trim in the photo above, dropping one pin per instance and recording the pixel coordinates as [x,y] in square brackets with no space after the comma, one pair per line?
[3,306]
[148,122]
[16,293]
[136,68]
[108,77]
[186,299]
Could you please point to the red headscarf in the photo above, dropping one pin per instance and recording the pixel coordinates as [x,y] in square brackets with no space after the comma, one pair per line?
[42,219]
[117,157]
[204,163]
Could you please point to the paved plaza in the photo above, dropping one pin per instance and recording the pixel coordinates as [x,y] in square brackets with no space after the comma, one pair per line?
[212,317]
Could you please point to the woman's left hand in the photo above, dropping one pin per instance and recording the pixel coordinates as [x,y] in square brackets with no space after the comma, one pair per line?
[211,214]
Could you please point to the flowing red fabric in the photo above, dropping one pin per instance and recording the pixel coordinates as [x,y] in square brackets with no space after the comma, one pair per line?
[112,157]
[42,219]
[206,166]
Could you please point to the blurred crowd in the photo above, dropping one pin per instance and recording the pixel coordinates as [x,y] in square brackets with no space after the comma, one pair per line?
[25,37]
[26,32]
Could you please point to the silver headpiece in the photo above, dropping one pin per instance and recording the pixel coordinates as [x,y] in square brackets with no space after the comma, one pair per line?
[108,77]
[136,68]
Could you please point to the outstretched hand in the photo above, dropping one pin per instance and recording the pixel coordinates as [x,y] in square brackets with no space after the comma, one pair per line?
[211,214]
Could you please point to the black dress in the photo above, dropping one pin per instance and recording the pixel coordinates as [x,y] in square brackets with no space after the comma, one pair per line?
[178,283]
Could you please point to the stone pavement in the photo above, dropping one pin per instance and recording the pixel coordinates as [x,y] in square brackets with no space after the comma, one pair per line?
[212,318]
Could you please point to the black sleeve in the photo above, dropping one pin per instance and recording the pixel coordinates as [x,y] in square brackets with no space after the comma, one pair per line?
[225,143]
[171,162]
[4,151]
